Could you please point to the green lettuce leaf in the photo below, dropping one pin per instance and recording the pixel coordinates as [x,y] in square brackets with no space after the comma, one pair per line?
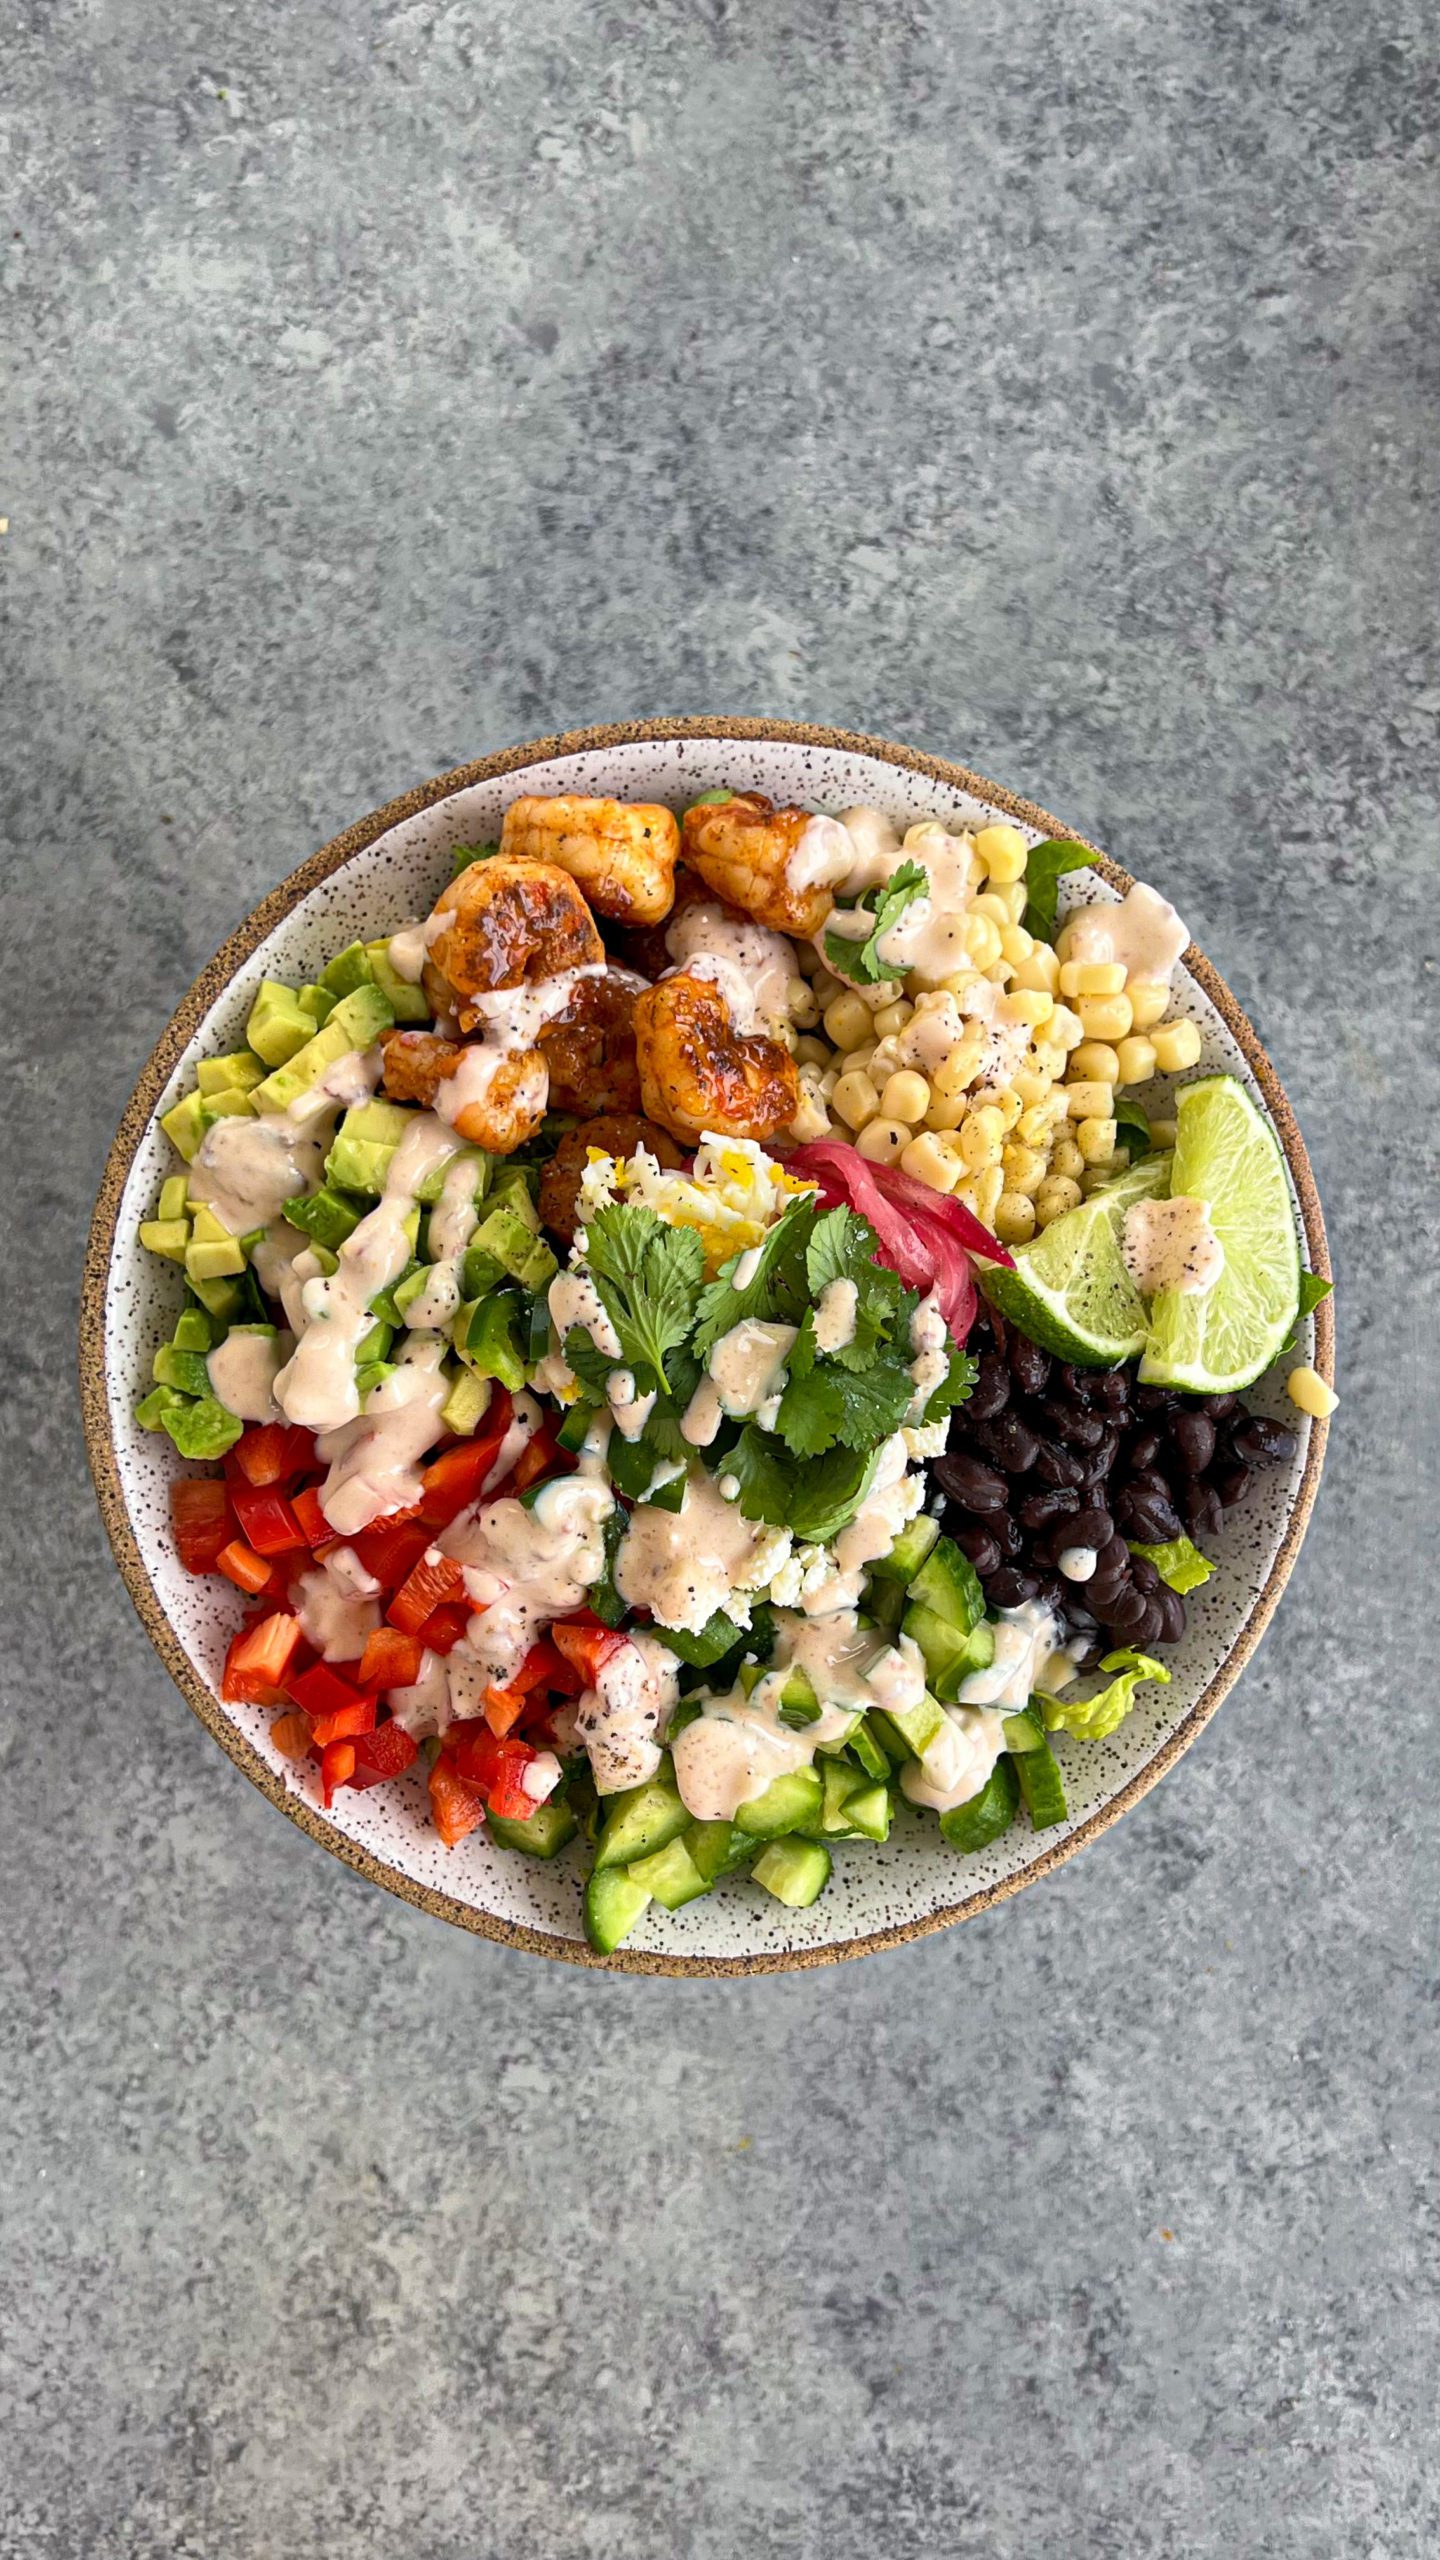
[1177,1561]
[1091,1719]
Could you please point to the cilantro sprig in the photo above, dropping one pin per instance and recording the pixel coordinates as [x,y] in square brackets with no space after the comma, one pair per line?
[647,1277]
[886,902]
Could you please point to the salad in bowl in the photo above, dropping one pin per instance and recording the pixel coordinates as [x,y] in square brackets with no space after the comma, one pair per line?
[724,1340]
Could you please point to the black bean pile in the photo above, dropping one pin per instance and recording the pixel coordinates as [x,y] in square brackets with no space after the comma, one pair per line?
[1044,1457]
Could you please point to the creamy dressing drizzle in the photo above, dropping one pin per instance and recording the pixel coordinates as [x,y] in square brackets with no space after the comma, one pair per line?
[1143,932]
[621,1722]
[683,1565]
[747,1364]
[1024,1637]
[752,967]
[930,1342]
[737,1744]
[373,1461]
[1171,1244]
[524,1565]
[246,1169]
[242,1371]
[835,1315]
[927,938]
[894,1497]
[822,857]
[336,1606]
[512,1019]
[453,1221]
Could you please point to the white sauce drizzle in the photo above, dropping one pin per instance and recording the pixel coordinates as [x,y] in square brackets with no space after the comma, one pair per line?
[242,1371]
[621,1722]
[683,1565]
[747,1364]
[373,1461]
[752,967]
[1143,932]
[1171,1244]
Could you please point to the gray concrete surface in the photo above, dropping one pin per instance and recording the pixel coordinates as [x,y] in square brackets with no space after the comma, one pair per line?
[1054,385]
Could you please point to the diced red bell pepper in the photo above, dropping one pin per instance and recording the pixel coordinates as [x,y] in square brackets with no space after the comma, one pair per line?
[586,1644]
[314,1527]
[259,1660]
[274,1452]
[458,1809]
[454,1478]
[241,1565]
[201,1518]
[542,1456]
[427,1586]
[484,1760]
[385,1752]
[287,1569]
[345,1722]
[390,1660]
[511,1802]
[321,1691]
[266,1519]
[391,1548]
[502,1709]
[291,1734]
[337,1768]
[444,1628]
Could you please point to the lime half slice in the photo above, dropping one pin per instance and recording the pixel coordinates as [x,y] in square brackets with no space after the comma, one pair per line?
[1069,1290]
[1220,1338]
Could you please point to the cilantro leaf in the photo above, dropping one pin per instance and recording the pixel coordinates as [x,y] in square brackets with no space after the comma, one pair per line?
[776,1287]
[843,1247]
[835,1404]
[648,1278]
[1131,1127]
[592,1367]
[887,901]
[814,1497]
[1312,1290]
[812,1412]
[1044,865]
[955,1386]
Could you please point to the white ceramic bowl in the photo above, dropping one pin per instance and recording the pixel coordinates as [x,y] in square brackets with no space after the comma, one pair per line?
[391,866]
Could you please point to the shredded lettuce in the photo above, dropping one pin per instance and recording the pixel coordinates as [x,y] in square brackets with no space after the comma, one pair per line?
[1178,1563]
[1091,1719]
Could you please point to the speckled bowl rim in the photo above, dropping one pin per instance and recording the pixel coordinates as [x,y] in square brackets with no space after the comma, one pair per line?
[99,1440]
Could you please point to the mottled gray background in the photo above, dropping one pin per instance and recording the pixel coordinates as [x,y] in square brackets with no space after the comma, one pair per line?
[1052,385]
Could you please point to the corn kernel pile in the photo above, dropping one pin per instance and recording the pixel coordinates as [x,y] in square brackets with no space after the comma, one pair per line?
[1074,1034]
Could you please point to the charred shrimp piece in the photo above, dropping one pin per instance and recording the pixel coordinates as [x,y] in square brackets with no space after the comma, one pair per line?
[590,1047]
[622,853]
[508,923]
[779,866]
[698,1074]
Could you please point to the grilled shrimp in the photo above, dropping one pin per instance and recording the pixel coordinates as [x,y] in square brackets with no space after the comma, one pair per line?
[615,1133]
[507,923]
[508,1100]
[777,865]
[621,852]
[590,1047]
[697,1073]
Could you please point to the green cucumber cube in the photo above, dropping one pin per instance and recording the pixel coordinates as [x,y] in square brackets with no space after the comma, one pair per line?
[544,1835]
[639,1821]
[795,1871]
[986,1816]
[613,1905]
[670,1874]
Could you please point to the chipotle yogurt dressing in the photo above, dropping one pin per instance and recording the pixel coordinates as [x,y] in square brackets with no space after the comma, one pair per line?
[1142,932]
[526,1564]
[512,1019]
[1171,1244]
[751,966]
[738,1744]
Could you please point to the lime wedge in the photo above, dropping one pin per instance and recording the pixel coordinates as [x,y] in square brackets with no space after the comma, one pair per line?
[1069,1290]
[1220,1338]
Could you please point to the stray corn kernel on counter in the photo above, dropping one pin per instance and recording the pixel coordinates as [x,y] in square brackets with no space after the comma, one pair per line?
[728,1334]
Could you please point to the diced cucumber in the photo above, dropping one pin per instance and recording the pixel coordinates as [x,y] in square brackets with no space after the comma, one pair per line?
[789,1801]
[912,1729]
[948,1583]
[983,1818]
[871,1754]
[1023,1732]
[1042,1786]
[908,1553]
[869,1811]
[169,1237]
[670,1874]
[717,1848]
[950,1653]
[467,1404]
[326,1215]
[613,1905]
[795,1871]
[839,1781]
[639,1821]
[715,1639]
[536,1328]
[203,1430]
[885,1605]
[279,1024]
[550,1826]
[572,1431]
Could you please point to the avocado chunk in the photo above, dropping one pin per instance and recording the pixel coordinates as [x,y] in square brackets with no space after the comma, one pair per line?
[203,1430]
[365,1143]
[487,1338]
[410,1002]
[169,1237]
[348,970]
[150,1412]
[184,1370]
[319,1003]
[356,1023]
[467,1404]
[279,1023]
[185,1124]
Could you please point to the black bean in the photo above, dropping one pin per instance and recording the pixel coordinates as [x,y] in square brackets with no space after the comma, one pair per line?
[1172,1612]
[1149,1480]
[1155,1400]
[1092,1527]
[1260,1442]
[1219,1407]
[1144,1573]
[1009,1587]
[1204,1517]
[976,1487]
[1192,1437]
[1150,1517]
[1086,1659]
[1231,1484]
[1148,1631]
[1076,1384]
[1058,1466]
[979,1546]
[1078,1429]
[1128,1612]
[1030,1365]
[990,1393]
[1008,1535]
[1008,1443]
[1052,1592]
[1051,1503]
[1143,1449]
[1113,1388]
[1096,1465]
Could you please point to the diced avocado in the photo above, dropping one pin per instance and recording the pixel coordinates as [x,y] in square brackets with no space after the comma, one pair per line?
[214,1261]
[203,1430]
[221,1296]
[913,1728]
[279,1023]
[348,970]
[544,1835]
[242,1069]
[174,1199]
[908,1553]
[319,1003]
[169,1237]
[185,1124]
[795,1871]
[613,1905]
[374,1344]
[431,1184]
[873,1759]
[356,1023]
[950,1655]
[487,1339]
[365,1143]
[194,1330]
[413,1286]
[670,1874]
[210,1227]
[1023,1732]
[788,1801]
[717,1847]
[539,1266]
[983,1818]
[467,1404]
[184,1370]
[410,1002]
[640,1820]
[1042,1786]
[511,1240]
[233,1104]
[516,1186]
[948,1583]
[326,1215]
[150,1412]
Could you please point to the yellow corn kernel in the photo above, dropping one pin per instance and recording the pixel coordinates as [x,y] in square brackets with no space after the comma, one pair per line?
[1307,1388]
[810,1052]
[955,1073]
[883,1141]
[1009,1105]
[1024,1168]
[801,1005]
[1014,1218]
[1065,1158]
[847,1021]
[825,987]
[906,1097]
[1065,1028]
[945,1113]
[1095,1063]
[1136,1061]
[892,1018]
[988,1187]
[1148,1002]
[927,1161]
[967,1192]
[980,1138]
[988,904]
[1025,1004]
[855,1098]
[980,936]
[1176,1045]
[959,983]
[808,960]
[1013,896]
[828,1081]
[1015,943]
[1041,970]
[1036,1127]
[1092,978]
[1104,1017]
[1004,852]
[1090,1101]
[1096,1140]
[1057,1195]
[1163,1133]
[1030,1085]
[787,1035]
